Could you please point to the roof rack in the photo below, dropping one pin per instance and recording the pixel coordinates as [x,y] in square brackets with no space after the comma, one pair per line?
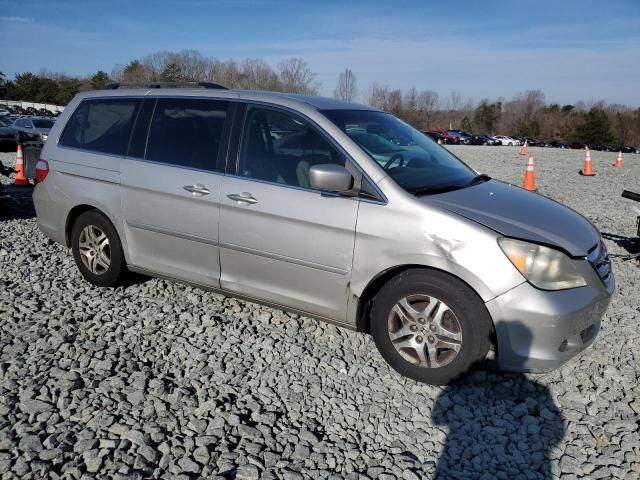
[215,86]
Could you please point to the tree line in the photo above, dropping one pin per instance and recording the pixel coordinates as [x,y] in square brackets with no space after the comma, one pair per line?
[525,114]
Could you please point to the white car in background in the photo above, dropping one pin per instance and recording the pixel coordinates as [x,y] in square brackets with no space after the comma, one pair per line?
[505,140]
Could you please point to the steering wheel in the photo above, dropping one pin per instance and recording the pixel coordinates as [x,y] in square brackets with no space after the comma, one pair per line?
[397,157]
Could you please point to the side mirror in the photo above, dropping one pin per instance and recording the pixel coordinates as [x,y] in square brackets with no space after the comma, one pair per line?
[330,178]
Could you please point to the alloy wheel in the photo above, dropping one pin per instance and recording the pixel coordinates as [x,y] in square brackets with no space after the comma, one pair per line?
[424,331]
[95,250]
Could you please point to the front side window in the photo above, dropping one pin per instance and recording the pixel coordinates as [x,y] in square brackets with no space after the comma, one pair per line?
[281,147]
[187,132]
[101,125]
[413,160]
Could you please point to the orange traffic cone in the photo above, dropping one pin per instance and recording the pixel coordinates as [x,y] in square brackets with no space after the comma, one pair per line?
[20,180]
[529,176]
[587,169]
[523,150]
[619,159]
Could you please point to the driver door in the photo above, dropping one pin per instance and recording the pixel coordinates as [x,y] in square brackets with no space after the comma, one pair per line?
[280,240]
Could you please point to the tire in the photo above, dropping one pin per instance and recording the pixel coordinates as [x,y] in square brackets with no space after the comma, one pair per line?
[464,307]
[85,232]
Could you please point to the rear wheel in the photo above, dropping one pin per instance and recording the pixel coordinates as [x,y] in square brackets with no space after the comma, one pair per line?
[430,326]
[97,249]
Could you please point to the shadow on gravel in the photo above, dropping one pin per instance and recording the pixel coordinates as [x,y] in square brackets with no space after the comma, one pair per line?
[630,244]
[16,202]
[500,426]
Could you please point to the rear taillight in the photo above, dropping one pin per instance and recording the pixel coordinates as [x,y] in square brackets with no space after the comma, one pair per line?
[42,170]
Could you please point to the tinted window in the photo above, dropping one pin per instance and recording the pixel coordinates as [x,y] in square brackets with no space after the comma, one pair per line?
[43,123]
[282,148]
[141,129]
[187,132]
[101,125]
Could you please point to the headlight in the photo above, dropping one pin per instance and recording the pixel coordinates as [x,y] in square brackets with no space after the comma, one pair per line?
[44,136]
[543,267]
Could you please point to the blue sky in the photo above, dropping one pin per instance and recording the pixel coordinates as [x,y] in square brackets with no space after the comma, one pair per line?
[572,50]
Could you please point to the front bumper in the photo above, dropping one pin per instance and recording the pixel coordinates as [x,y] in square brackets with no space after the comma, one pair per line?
[537,330]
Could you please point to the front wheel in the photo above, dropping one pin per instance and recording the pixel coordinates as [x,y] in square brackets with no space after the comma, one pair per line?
[97,249]
[430,326]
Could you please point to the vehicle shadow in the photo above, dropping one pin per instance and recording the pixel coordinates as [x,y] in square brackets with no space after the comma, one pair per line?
[16,202]
[502,427]
[630,244]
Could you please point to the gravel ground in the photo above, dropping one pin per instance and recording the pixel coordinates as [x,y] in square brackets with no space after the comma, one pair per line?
[161,380]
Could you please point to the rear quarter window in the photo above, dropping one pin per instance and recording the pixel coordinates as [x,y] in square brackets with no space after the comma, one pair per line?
[101,125]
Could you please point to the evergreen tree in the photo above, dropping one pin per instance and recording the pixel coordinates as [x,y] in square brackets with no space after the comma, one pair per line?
[596,127]
[99,80]
[171,73]
[466,124]
[486,115]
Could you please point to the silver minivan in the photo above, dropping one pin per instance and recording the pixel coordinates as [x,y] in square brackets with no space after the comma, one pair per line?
[329,209]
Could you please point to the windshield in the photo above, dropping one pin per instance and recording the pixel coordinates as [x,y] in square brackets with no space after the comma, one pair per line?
[413,160]
[4,123]
[43,123]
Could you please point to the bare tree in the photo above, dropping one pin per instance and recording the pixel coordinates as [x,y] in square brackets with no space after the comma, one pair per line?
[258,75]
[226,73]
[378,96]
[427,104]
[454,102]
[347,86]
[296,76]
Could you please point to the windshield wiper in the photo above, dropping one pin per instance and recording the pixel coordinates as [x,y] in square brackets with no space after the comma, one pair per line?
[434,190]
[483,177]
[449,188]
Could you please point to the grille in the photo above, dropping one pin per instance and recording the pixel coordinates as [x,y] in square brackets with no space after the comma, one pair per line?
[599,259]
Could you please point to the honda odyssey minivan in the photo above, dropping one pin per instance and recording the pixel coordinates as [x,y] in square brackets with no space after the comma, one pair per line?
[329,209]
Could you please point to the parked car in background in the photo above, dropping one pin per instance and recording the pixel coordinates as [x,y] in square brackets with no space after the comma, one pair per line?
[446,136]
[484,140]
[464,137]
[557,144]
[602,147]
[7,135]
[505,140]
[45,113]
[578,145]
[626,149]
[4,112]
[437,136]
[32,128]
[532,142]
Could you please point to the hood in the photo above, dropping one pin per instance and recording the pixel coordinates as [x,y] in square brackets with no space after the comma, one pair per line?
[515,212]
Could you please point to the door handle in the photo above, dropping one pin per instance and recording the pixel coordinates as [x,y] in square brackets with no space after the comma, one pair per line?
[197,190]
[244,197]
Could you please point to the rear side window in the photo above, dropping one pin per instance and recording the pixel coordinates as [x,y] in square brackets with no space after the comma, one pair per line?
[187,132]
[101,125]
